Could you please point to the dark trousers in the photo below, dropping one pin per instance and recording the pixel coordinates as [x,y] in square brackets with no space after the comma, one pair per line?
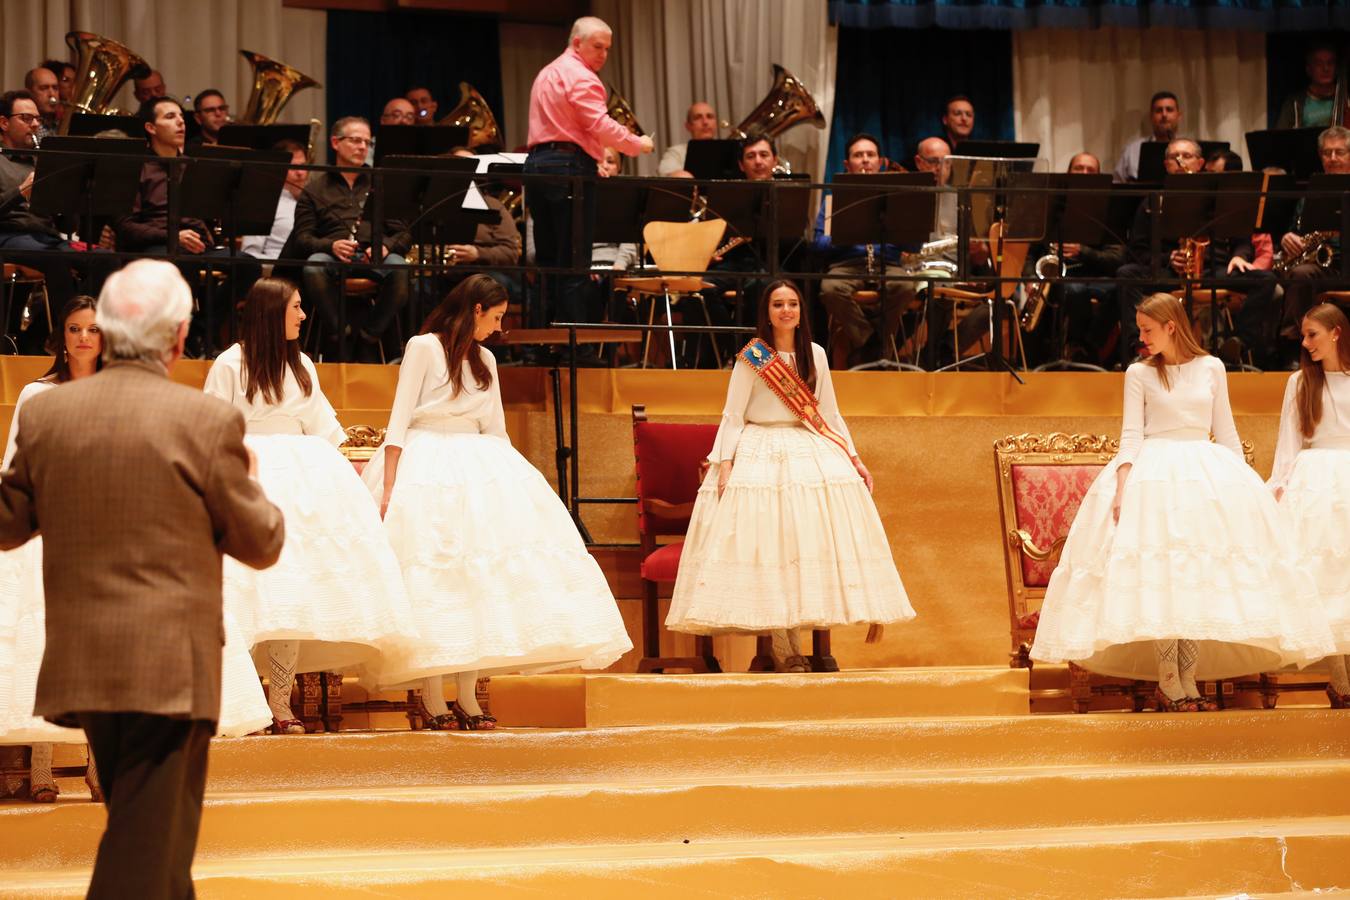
[93,268]
[557,244]
[153,773]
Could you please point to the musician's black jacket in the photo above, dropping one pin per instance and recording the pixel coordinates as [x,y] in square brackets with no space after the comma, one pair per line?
[328,208]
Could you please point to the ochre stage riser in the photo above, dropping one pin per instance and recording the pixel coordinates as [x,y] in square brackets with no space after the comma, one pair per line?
[1260,859]
[927,439]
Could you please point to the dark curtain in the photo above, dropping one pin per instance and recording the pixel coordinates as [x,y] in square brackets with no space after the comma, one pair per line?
[1285,60]
[894,83]
[373,57]
[1268,15]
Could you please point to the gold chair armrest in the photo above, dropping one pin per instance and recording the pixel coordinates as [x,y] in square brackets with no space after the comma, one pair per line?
[1020,539]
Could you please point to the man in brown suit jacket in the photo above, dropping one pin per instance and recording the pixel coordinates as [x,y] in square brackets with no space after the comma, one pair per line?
[138,485]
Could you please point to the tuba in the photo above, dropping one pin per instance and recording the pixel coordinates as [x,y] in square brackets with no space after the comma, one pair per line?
[787,104]
[104,66]
[473,113]
[273,84]
[621,112]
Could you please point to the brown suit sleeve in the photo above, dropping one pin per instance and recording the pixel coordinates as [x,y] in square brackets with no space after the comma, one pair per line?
[247,525]
[18,514]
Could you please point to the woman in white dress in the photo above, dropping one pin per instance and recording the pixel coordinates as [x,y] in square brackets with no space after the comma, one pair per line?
[784,534]
[497,574]
[1177,566]
[78,347]
[335,599]
[1311,476]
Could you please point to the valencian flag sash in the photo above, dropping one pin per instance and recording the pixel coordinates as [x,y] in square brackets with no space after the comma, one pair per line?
[788,386]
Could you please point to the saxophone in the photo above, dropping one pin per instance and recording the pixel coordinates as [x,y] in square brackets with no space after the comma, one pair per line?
[1047,268]
[1193,251]
[1316,249]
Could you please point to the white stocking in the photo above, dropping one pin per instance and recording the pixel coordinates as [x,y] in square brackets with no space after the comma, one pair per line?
[1169,680]
[466,692]
[1339,678]
[786,644]
[281,657]
[40,769]
[433,696]
[1188,654]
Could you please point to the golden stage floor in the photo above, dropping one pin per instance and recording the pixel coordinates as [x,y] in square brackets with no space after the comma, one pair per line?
[794,802]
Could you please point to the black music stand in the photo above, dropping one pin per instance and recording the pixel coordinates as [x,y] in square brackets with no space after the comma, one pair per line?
[262,137]
[1327,211]
[997,149]
[419,140]
[88,125]
[1277,217]
[1151,153]
[1291,149]
[713,160]
[87,177]
[1056,209]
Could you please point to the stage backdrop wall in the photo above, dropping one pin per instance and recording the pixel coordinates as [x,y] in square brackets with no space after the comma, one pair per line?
[667,55]
[1080,90]
[194,45]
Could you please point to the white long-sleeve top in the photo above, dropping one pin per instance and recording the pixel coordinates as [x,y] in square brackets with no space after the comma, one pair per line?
[1333,427]
[30,390]
[1198,399]
[424,388]
[294,413]
[751,402]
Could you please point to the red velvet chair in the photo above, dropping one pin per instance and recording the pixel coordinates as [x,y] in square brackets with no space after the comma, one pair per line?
[668,458]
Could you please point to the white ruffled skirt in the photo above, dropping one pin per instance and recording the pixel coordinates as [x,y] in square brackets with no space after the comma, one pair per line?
[498,576]
[337,587]
[1200,552]
[795,541]
[1316,511]
[23,636]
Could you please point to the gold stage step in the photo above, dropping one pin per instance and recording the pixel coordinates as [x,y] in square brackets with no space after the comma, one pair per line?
[1217,859]
[598,701]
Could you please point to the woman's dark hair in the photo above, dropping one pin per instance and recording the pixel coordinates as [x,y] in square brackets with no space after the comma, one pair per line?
[56,341]
[262,338]
[453,322]
[806,360]
[1314,377]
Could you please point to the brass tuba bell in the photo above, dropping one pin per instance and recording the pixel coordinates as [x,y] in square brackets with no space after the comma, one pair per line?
[104,66]
[621,112]
[273,84]
[787,104]
[472,112]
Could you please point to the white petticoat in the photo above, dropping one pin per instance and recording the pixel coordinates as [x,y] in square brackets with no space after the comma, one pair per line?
[243,707]
[1200,553]
[795,541]
[337,587]
[497,574]
[1316,511]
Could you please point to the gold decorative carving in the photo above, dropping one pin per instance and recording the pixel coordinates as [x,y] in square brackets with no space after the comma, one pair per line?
[362,442]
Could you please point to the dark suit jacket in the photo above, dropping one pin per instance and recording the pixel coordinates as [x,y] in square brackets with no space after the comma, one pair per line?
[138,485]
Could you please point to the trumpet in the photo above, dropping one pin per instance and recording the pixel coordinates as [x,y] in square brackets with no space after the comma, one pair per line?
[1048,268]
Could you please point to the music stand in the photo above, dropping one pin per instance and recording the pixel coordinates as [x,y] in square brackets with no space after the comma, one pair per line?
[419,140]
[1291,149]
[86,177]
[88,125]
[262,137]
[1277,216]
[998,149]
[430,192]
[1151,153]
[1328,212]
[713,160]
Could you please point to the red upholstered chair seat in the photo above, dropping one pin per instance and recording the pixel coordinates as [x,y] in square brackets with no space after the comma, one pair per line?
[662,565]
[1045,500]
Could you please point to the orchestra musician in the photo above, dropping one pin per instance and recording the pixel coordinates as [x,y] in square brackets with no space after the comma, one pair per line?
[1301,268]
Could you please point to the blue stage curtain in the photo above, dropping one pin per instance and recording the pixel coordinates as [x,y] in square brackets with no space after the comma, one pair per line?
[894,83]
[373,57]
[1267,15]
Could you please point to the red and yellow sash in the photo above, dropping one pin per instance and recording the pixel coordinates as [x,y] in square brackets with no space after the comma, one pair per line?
[788,386]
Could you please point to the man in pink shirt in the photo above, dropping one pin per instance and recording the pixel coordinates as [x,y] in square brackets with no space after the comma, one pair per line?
[569,131]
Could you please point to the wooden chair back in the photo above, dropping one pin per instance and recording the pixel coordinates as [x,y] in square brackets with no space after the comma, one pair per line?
[683,246]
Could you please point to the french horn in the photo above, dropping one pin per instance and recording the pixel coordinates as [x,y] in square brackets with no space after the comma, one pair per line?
[620,111]
[104,66]
[273,84]
[472,112]
[787,105]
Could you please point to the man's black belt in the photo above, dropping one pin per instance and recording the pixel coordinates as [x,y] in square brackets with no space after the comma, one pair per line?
[561,146]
